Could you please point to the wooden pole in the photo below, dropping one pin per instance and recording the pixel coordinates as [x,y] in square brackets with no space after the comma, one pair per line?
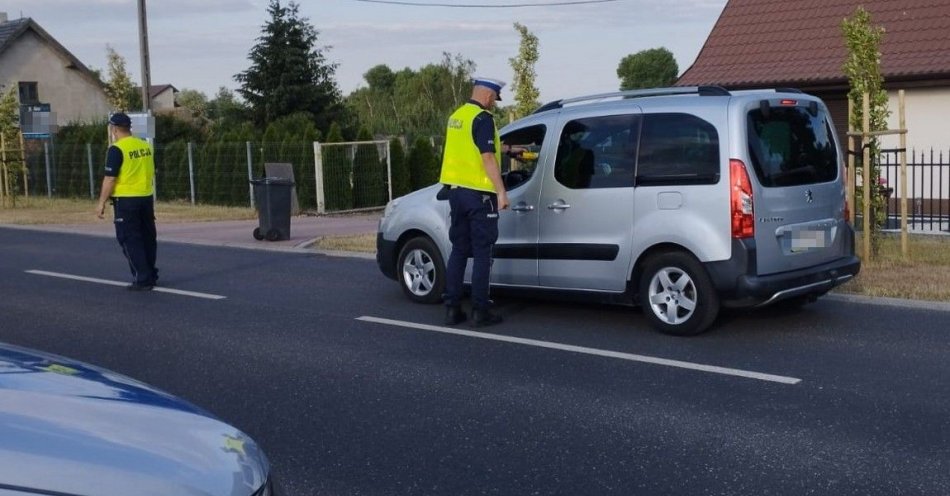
[850,176]
[866,187]
[905,248]
[3,170]
[26,172]
[146,60]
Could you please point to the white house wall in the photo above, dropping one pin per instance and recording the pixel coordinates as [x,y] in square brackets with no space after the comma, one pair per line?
[72,95]
[926,112]
[164,100]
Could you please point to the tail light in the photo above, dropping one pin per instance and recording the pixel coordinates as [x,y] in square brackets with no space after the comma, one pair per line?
[742,212]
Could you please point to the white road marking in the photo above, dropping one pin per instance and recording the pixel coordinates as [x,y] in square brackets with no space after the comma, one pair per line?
[589,351]
[159,289]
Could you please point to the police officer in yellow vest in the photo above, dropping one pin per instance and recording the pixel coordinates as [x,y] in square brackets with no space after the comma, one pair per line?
[129,181]
[470,167]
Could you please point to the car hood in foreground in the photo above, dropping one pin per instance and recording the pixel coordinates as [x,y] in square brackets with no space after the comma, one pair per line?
[70,427]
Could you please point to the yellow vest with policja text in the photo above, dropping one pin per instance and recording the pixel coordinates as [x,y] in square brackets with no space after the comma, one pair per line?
[137,174]
[462,163]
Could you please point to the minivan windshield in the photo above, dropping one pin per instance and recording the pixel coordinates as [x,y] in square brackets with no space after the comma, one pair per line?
[790,146]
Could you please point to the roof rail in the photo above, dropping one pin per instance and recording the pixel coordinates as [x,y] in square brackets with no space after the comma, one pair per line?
[679,90]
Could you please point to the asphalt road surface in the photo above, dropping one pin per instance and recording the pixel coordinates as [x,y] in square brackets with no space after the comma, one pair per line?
[353,390]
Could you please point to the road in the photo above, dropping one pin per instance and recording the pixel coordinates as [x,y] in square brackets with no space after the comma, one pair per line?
[325,363]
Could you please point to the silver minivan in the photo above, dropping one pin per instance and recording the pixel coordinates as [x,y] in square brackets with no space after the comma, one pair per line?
[681,200]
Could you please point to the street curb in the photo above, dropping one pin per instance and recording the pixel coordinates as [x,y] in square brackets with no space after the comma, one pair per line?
[299,248]
[939,306]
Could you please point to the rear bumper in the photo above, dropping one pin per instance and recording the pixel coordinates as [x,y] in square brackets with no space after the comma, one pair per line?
[817,280]
[739,285]
[386,256]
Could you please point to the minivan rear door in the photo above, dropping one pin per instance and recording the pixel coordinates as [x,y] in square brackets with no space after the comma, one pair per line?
[794,164]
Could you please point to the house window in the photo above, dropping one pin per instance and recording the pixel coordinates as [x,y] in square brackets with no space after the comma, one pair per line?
[28,93]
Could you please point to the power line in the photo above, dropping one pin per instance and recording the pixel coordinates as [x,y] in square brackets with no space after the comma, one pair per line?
[484,5]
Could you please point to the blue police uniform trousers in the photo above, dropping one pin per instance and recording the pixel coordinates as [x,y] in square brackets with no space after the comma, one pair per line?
[135,232]
[473,232]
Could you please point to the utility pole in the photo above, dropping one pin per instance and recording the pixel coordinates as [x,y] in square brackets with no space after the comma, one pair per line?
[143,49]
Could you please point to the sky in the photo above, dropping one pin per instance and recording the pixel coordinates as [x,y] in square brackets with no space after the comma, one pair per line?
[202,44]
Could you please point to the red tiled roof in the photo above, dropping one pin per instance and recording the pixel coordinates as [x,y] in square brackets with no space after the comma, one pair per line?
[799,42]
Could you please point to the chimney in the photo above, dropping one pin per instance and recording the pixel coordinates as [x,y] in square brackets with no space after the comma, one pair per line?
[3,17]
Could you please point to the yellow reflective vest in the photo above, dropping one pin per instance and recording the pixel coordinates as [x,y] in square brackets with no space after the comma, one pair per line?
[462,163]
[137,174]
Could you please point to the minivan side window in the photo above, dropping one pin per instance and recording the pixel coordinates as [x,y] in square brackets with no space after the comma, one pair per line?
[790,146]
[677,149]
[519,168]
[598,152]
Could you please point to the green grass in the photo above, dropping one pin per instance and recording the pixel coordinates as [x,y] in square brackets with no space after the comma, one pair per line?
[41,210]
[925,275]
[363,243]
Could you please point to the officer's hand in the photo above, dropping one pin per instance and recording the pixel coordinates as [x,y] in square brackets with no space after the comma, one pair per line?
[503,200]
[101,210]
[515,150]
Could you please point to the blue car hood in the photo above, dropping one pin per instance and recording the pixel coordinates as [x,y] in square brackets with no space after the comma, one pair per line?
[70,427]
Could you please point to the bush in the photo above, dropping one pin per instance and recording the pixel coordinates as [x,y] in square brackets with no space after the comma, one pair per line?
[423,167]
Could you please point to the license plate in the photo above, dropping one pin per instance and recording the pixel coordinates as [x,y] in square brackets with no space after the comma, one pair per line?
[802,240]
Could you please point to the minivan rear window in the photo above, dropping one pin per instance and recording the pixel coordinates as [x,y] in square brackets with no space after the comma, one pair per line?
[789,146]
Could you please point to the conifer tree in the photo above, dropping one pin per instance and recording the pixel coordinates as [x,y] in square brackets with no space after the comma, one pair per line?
[369,179]
[402,181]
[423,166]
[337,173]
[289,73]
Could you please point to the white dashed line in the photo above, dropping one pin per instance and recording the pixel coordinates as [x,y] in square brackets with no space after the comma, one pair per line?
[158,289]
[589,351]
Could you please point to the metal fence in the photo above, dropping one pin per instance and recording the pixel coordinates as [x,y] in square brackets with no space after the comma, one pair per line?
[345,176]
[338,177]
[928,190]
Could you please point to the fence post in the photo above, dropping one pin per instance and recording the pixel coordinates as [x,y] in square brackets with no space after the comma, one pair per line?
[191,170]
[250,162]
[92,192]
[151,143]
[389,170]
[49,181]
[851,175]
[905,248]
[866,187]
[318,176]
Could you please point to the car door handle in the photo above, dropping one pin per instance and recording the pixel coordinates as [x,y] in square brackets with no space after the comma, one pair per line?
[521,207]
[559,206]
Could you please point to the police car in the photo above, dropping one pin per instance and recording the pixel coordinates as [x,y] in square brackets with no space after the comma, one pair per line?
[69,428]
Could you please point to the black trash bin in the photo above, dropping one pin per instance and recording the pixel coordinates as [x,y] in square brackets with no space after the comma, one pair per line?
[272,196]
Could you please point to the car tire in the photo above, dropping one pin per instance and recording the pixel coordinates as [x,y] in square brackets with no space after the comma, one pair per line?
[677,294]
[421,271]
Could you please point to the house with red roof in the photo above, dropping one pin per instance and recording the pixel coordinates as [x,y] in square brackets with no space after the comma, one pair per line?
[782,43]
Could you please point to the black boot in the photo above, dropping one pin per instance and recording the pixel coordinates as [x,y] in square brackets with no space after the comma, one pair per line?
[454,315]
[484,318]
